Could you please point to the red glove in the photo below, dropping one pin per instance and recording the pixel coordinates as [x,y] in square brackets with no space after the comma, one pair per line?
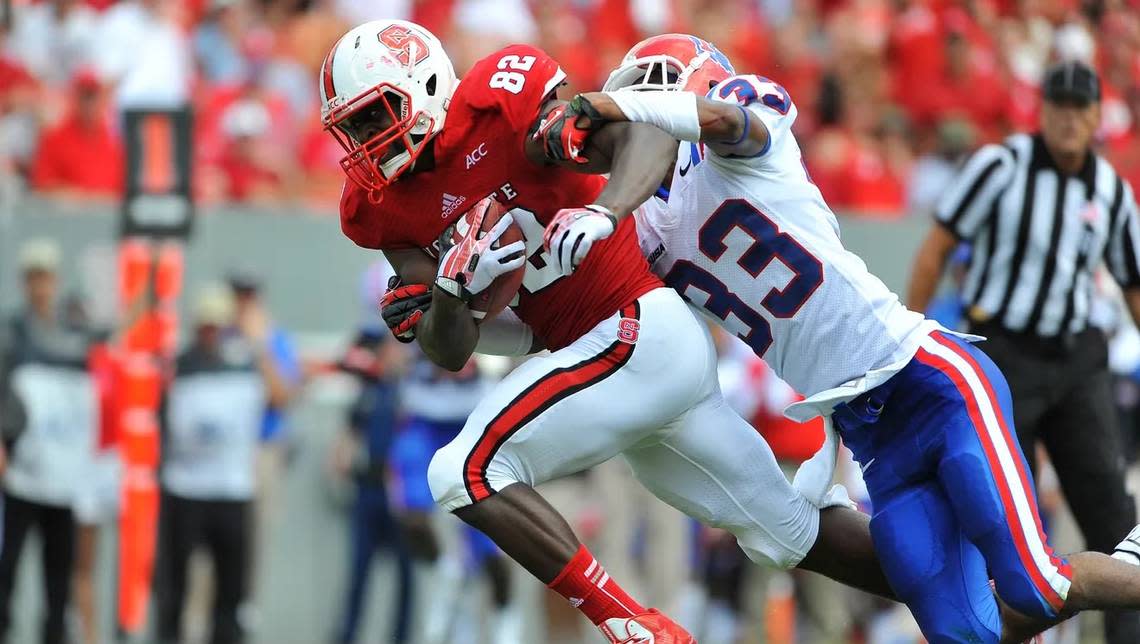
[564,130]
[403,306]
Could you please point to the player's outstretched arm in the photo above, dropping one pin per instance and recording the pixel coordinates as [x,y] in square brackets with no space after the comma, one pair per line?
[637,156]
[638,153]
[683,115]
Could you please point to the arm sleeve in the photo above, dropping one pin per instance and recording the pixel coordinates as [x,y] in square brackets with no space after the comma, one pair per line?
[1124,241]
[968,201]
[763,103]
[515,81]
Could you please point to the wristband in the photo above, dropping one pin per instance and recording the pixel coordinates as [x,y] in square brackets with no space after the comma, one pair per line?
[452,287]
[602,210]
[673,112]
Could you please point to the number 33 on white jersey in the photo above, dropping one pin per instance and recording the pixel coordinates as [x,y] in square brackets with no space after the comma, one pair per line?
[748,238]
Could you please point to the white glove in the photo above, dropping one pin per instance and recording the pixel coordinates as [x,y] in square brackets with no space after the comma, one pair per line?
[474,263]
[573,231]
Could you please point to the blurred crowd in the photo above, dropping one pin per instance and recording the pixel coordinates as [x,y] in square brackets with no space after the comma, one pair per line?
[891,93]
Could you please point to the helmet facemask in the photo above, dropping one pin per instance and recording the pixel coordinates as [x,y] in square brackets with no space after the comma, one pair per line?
[381,135]
[650,73]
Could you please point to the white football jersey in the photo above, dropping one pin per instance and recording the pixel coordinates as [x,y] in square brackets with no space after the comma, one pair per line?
[749,239]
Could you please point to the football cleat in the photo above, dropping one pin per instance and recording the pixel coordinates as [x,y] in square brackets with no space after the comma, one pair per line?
[1128,550]
[647,628]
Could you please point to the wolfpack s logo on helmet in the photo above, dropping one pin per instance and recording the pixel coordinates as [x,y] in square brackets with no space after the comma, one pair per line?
[405,44]
[385,87]
[671,62]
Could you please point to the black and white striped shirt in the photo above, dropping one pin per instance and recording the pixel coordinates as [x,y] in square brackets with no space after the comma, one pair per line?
[1038,236]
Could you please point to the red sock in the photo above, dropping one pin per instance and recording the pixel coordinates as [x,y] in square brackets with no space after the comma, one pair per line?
[585,583]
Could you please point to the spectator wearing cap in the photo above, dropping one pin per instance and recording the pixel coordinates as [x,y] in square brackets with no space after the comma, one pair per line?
[253,323]
[212,417]
[1042,212]
[80,156]
[44,360]
[249,171]
[361,453]
[250,313]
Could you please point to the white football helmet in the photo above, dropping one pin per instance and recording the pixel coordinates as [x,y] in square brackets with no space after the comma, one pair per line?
[385,89]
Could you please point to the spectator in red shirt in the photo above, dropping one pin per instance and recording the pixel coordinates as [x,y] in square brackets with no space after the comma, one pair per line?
[80,156]
[915,50]
[319,159]
[250,174]
[858,159]
[1124,150]
[968,84]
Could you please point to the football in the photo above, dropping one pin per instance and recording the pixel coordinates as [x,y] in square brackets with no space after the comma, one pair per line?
[502,291]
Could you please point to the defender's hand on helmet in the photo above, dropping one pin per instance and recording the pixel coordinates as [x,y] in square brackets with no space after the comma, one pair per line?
[564,129]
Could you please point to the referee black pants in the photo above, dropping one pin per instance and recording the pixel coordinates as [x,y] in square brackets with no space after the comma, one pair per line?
[223,528]
[1063,398]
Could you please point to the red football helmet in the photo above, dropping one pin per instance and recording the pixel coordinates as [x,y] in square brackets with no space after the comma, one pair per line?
[671,62]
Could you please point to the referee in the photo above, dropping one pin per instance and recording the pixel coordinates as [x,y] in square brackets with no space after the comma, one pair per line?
[1042,212]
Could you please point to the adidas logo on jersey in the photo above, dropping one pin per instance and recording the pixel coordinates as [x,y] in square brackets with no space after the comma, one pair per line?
[450,203]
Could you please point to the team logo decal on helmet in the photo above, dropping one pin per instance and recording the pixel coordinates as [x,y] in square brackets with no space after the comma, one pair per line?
[404,44]
[717,55]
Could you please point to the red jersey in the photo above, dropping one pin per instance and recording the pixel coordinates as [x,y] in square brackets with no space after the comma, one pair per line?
[480,152]
[83,156]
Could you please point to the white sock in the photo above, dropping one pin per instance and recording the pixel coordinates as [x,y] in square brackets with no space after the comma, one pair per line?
[447,583]
[1128,550]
